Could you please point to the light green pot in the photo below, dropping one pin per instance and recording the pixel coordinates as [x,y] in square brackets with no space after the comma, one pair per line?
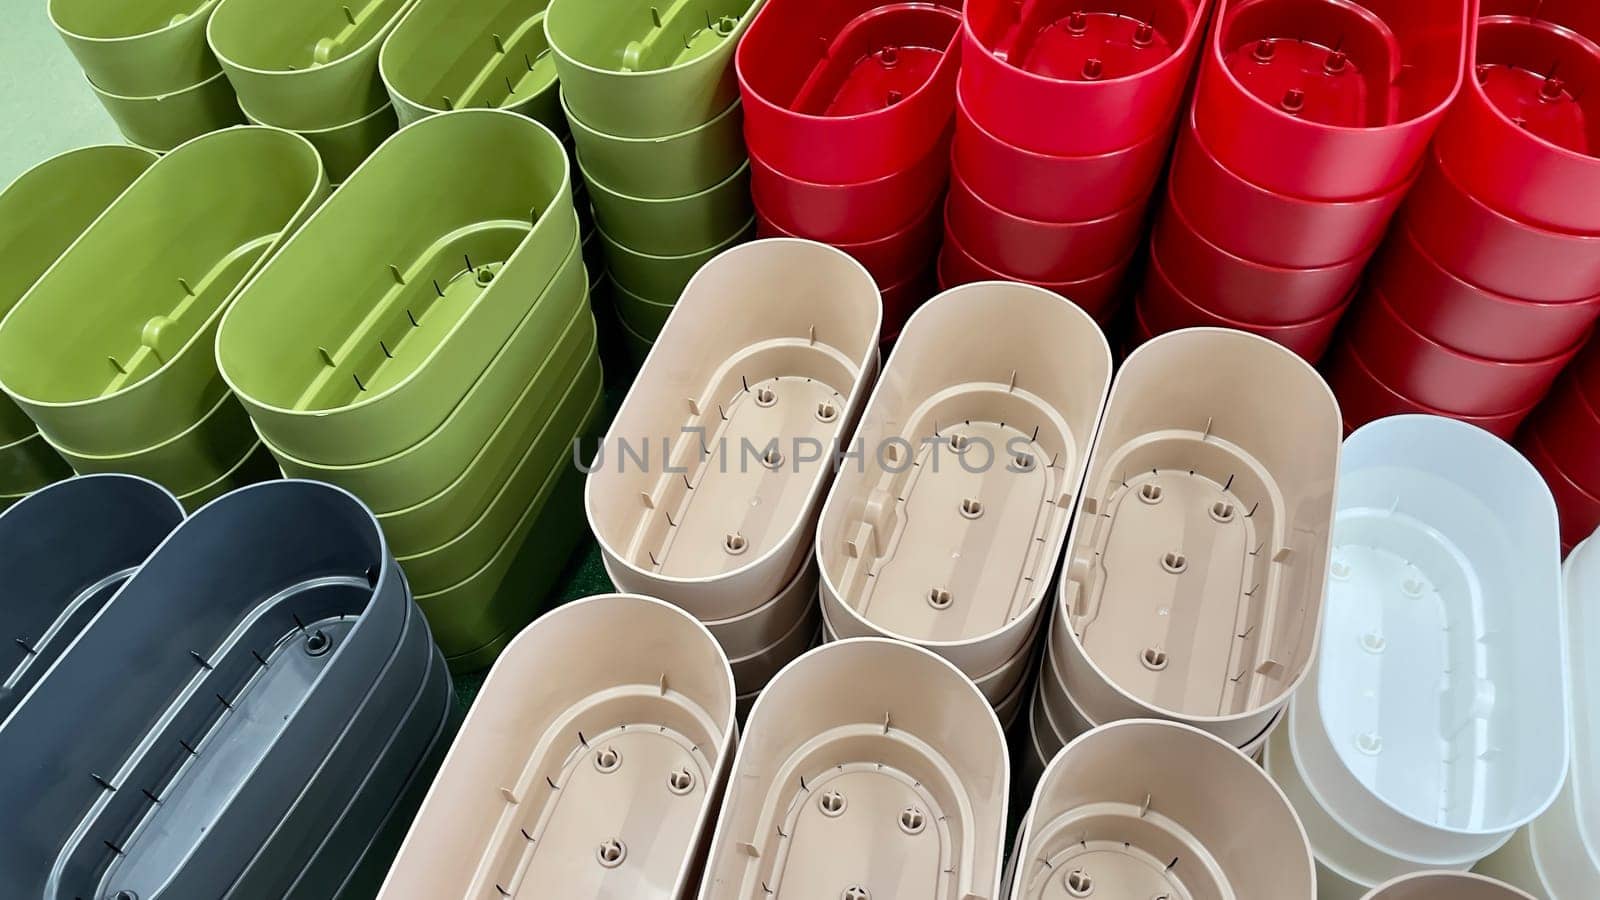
[389,304]
[545,351]
[138,47]
[41,213]
[209,450]
[164,121]
[304,65]
[635,344]
[345,148]
[256,466]
[471,54]
[661,279]
[111,351]
[646,68]
[676,227]
[29,464]
[664,167]
[642,317]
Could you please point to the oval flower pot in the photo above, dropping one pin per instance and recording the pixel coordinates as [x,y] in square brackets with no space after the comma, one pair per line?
[637,700]
[254,466]
[280,648]
[641,70]
[1121,800]
[111,351]
[187,461]
[1363,397]
[661,279]
[304,64]
[41,213]
[68,547]
[1098,294]
[660,168]
[344,148]
[1455,885]
[161,122]
[674,226]
[26,465]
[407,262]
[747,635]
[141,49]
[967,444]
[885,769]
[1209,493]
[767,358]
[462,54]
[842,214]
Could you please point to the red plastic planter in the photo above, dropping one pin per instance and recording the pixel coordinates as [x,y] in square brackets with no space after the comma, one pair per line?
[1363,398]
[1495,251]
[1467,318]
[1237,288]
[1522,143]
[845,213]
[1162,307]
[1040,251]
[1097,294]
[1055,188]
[1256,224]
[891,259]
[1569,428]
[901,300]
[846,91]
[1306,97]
[1580,512]
[1115,70]
[1435,375]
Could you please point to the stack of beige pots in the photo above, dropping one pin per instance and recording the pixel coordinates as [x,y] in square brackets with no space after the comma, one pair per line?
[944,527]
[706,490]
[150,67]
[1194,576]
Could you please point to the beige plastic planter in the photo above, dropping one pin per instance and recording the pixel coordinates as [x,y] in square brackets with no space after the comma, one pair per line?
[975,442]
[766,360]
[588,767]
[163,121]
[748,634]
[1194,577]
[869,768]
[1446,886]
[1147,809]
[754,672]
[470,54]
[146,48]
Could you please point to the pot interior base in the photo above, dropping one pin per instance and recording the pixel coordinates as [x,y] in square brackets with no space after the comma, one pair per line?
[1334,63]
[877,59]
[508,63]
[1118,851]
[682,31]
[1069,42]
[1534,72]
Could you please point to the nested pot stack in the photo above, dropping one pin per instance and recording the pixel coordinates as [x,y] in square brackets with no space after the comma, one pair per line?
[1309,122]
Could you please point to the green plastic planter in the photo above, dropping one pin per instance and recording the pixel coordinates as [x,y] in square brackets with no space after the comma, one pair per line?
[635,344]
[207,451]
[304,65]
[29,464]
[164,121]
[647,68]
[41,213]
[471,54]
[453,539]
[664,167]
[544,351]
[383,310]
[643,317]
[256,465]
[138,48]
[111,351]
[675,227]
[345,148]
[660,279]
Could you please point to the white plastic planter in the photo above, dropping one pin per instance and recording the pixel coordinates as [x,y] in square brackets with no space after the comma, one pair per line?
[947,530]
[706,489]
[869,768]
[1446,886]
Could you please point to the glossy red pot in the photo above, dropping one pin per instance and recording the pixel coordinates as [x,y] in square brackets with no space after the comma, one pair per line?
[1363,397]
[891,259]
[844,213]
[1098,294]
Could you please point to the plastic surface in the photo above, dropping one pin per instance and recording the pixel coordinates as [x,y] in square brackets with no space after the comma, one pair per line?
[1195,818]
[1330,100]
[1097,294]
[1455,885]
[673,226]
[349,348]
[1579,509]
[850,213]
[111,351]
[1363,397]
[344,148]
[163,121]
[868,768]
[847,91]
[658,168]
[141,49]
[458,54]
[643,317]
[967,444]
[1192,587]
[891,258]
[660,279]
[600,783]
[185,462]
[748,634]
[1568,427]
[767,357]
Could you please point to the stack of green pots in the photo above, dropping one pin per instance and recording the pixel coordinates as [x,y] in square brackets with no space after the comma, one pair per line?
[311,67]
[425,342]
[649,92]
[41,214]
[110,353]
[149,65]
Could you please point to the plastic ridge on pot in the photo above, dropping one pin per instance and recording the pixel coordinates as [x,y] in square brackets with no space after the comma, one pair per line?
[748,634]
[143,48]
[1454,885]
[111,350]
[843,214]
[1144,808]
[766,361]
[1193,582]
[600,783]
[1014,416]
[185,462]
[869,768]
[642,69]
[345,147]
[659,168]
[462,54]
[1363,397]
[661,279]
[385,308]
[163,121]
[674,226]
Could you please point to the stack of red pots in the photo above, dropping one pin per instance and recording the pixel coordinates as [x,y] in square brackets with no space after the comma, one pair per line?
[1490,282]
[1064,117]
[1309,122]
[1562,440]
[847,108]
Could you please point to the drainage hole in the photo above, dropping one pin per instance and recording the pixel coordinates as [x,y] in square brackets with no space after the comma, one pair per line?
[827,412]
[939,598]
[1024,461]
[1154,659]
[1174,562]
[680,782]
[912,820]
[485,275]
[1150,492]
[765,397]
[124,895]
[1222,511]
[725,25]
[611,853]
[318,643]
[831,803]
[1370,743]
[1079,883]
[958,442]
[971,508]
[1412,587]
[607,760]
[856,892]
[772,458]
[735,543]
[1339,570]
